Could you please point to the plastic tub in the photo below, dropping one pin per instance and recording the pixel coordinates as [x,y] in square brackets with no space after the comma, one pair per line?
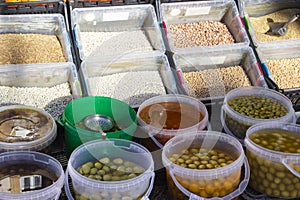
[26,128]
[132,80]
[274,172]
[222,11]
[48,24]
[35,160]
[260,8]
[77,110]
[117,25]
[189,114]
[134,188]
[213,183]
[236,124]
[217,82]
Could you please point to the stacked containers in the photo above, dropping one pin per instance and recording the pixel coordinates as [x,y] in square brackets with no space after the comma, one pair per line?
[129,79]
[203,24]
[212,74]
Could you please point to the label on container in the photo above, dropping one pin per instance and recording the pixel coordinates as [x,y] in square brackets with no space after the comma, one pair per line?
[115,16]
[197,11]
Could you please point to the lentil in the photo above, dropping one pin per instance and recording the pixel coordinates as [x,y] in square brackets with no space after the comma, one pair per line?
[52,99]
[260,25]
[204,33]
[286,72]
[206,188]
[215,82]
[108,43]
[30,48]
[130,87]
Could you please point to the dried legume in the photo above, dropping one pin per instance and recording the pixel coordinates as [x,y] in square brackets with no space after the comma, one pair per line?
[30,48]
[206,33]
[215,82]
[260,25]
[108,43]
[130,87]
[286,72]
[52,99]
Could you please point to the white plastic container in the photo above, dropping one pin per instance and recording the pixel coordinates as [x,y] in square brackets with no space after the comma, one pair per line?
[34,158]
[215,60]
[236,124]
[258,8]
[200,184]
[134,188]
[274,173]
[189,12]
[117,19]
[26,128]
[161,135]
[126,90]
[50,24]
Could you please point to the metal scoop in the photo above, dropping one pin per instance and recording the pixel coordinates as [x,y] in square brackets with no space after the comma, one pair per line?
[281,28]
[98,123]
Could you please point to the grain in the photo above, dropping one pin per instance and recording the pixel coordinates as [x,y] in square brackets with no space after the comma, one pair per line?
[215,82]
[30,48]
[260,25]
[207,33]
[286,72]
[109,43]
[52,99]
[130,87]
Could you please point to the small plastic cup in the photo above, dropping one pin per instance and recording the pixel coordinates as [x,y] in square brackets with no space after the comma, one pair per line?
[223,183]
[164,105]
[39,159]
[134,188]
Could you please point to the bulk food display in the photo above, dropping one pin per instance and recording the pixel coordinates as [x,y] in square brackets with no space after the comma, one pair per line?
[272,21]
[34,39]
[129,79]
[212,74]
[122,30]
[198,25]
[273,153]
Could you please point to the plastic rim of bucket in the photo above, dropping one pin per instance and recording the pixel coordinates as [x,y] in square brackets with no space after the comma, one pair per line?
[53,191]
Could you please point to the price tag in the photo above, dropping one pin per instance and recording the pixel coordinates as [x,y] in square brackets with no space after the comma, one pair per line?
[115,16]
[197,11]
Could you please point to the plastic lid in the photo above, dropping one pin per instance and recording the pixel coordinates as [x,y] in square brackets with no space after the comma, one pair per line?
[25,128]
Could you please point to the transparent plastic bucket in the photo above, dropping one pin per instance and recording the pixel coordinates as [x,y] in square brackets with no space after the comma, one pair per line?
[181,180]
[274,170]
[159,135]
[138,187]
[51,192]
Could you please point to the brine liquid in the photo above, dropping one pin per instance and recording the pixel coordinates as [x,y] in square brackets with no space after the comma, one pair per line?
[25,177]
[171,115]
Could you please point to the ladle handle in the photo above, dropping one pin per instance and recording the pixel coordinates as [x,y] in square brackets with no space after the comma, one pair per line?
[291,20]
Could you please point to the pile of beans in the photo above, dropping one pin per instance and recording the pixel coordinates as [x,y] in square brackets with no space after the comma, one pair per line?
[203,159]
[107,169]
[268,175]
[52,99]
[261,25]
[130,87]
[281,69]
[205,33]
[114,43]
[215,82]
[254,107]
[30,48]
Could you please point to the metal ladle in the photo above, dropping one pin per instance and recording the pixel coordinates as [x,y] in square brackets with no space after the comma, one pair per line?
[99,123]
[281,28]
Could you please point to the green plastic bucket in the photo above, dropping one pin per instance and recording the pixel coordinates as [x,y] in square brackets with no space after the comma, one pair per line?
[122,114]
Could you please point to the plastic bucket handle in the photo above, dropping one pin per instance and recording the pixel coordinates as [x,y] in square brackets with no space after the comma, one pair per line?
[293,171]
[155,140]
[242,186]
[70,197]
